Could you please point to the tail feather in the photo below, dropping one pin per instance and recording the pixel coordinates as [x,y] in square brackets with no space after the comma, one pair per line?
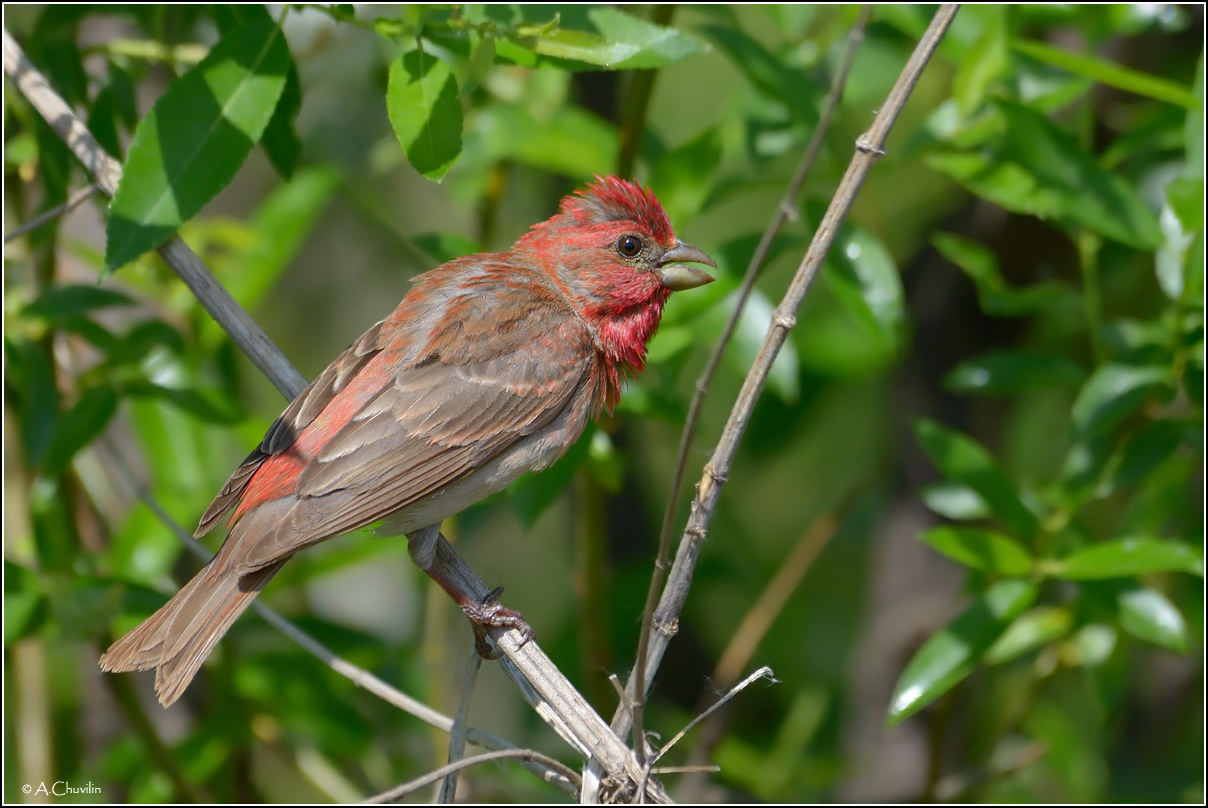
[178,638]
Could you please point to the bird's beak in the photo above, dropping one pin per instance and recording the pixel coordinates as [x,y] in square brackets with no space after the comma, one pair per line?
[678,277]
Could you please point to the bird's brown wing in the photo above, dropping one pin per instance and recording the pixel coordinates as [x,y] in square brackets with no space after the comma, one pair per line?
[435,425]
[300,413]
[417,415]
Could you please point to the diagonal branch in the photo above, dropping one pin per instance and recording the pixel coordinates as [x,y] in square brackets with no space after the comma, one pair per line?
[785,210]
[869,146]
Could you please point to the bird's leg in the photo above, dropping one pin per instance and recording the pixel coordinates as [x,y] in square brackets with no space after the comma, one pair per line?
[485,612]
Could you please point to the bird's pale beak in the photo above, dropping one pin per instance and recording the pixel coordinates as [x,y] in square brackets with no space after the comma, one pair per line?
[678,277]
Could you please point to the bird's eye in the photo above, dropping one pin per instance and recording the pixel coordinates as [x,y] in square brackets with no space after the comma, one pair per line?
[629,246]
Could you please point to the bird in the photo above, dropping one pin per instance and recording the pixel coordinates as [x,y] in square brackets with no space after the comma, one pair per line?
[490,367]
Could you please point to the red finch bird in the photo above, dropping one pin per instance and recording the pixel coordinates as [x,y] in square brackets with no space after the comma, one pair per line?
[489,368]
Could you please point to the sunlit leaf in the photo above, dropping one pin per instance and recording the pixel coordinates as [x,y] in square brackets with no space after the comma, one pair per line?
[1033,629]
[955,501]
[196,137]
[1090,195]
[952,653]
[980,549]
[1110,74]
[1113,391]
[425,111]
[1148,615]
[962,460]
[1123,558]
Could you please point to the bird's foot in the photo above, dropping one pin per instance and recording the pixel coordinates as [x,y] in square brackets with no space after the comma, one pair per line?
[490,613]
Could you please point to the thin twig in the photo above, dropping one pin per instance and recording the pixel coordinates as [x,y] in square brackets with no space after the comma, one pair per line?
[869,147]
[591,731]
[457,738]
[784,210]
[503,754]
[762,673]
[71,204]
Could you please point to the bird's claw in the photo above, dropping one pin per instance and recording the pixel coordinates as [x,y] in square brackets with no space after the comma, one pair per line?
[490,613]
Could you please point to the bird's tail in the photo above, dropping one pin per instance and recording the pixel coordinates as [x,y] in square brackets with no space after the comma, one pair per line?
[178,638]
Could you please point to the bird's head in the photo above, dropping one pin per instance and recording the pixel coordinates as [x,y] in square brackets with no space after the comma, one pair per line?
[613,254]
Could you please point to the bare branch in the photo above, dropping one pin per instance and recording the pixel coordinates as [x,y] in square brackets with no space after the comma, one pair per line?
[868,147]
[71,204]
[504,754]
[786,210]
[457,738]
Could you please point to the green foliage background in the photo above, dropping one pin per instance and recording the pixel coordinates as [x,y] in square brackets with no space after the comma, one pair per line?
[995,391]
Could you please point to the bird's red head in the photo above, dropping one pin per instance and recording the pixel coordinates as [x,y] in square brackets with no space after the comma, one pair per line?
[613,254]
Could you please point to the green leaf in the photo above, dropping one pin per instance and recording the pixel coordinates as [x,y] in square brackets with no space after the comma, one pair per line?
[1148,449]
[1093,644]
[481,62]
[654,45]
[65,300]
[143,339]
[1011,372]
[207,405]
[748,338]
[280,139]
[995,296]
[1111,74]
[1186,197]
[1148,615]
[1031,630]
[1090,195]
[955,501]
[1114,391]
[582,37]
[964,461]
[987,61]
[30,385]
[1009,185]
[194,140]
[980,549]
[866,281]
[78,426]
[1124,558]
[25,605]
[950,655]
[425,112]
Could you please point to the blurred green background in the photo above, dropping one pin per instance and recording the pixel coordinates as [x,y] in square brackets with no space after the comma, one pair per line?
[977,466]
